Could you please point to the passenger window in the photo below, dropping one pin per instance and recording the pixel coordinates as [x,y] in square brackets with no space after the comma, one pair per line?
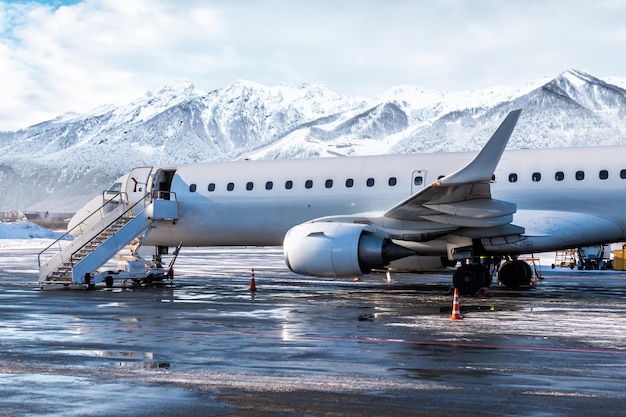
[288,185]
[604,174]
[249,186]
[230,186]
[329,184]
[370,182]
[418,180]
[580,175]
[308,184]
[536,177]
[350,182]
[392,181]
[192,188]
[513,177]
[440,177]
[559,176]
[493,178]
[211,187]
[269,185]
[622,174]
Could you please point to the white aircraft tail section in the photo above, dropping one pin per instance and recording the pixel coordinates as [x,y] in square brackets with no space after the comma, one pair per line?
[76,263]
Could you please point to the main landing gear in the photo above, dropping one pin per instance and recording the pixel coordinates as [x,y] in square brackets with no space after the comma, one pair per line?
[469,278]
[514,274]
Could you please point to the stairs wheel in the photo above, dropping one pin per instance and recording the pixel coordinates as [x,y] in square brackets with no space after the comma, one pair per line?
[108,281]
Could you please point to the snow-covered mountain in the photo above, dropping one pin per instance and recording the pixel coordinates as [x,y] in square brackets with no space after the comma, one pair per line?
[59,164]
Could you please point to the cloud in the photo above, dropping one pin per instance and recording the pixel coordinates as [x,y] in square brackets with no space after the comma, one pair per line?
[75,57]
[56,58]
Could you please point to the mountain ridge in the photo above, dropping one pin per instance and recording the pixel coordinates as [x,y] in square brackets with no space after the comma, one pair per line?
[59,164]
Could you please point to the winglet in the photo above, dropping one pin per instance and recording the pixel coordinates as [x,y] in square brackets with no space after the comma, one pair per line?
[484,165]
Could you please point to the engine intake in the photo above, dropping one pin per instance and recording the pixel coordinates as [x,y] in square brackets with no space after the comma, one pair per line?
[338,249]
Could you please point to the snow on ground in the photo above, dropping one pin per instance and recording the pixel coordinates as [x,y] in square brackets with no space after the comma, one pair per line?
[11,233]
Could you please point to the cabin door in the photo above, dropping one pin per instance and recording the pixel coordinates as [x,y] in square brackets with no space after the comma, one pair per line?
[418,181]
[161,186]
[137,184]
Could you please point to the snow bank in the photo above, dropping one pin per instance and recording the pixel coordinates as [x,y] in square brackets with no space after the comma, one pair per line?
[26,230]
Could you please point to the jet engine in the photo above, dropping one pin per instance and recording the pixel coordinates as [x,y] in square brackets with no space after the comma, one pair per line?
[328,249]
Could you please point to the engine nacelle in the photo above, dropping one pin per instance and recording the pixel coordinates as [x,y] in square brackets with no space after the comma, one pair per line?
[329,249]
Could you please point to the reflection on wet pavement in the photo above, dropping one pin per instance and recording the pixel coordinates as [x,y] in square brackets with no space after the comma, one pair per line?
[208,335]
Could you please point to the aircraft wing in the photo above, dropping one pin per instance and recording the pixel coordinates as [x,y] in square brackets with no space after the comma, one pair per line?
[458,206]
[463,198]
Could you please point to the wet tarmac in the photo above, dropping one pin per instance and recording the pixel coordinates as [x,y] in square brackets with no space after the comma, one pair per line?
[298,346]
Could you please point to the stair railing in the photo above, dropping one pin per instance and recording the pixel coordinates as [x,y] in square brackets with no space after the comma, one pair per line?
[118,198]
[100,213]
[128,214]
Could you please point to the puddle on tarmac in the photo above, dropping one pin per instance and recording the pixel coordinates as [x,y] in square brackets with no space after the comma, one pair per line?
[123,359]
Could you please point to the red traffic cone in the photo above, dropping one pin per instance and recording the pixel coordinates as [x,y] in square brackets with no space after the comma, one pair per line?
[252,282]
[456,308]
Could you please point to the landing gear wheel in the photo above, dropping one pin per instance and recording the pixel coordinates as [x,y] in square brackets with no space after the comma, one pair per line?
[529,273]
[513,274]
[468,279]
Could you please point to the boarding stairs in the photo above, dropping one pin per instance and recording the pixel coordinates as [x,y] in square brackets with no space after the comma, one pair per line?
[101,236]
[565,259]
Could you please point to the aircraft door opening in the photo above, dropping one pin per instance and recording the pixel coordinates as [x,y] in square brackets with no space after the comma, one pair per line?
[418,181]
[162,183]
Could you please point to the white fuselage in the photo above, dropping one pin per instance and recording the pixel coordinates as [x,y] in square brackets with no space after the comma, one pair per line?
[252,214]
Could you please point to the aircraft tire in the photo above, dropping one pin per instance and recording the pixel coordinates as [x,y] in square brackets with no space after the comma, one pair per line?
[468,279]
[528,279]
[513,274]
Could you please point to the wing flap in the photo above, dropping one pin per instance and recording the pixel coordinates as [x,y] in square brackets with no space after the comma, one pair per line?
[464,221]
[478,209]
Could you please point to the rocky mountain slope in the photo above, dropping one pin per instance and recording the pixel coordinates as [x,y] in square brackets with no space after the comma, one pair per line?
[59,164]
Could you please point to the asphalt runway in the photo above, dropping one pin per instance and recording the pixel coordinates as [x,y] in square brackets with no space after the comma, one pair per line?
[298,346]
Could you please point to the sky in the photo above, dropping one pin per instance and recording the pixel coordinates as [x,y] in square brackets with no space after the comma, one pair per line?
[59,56]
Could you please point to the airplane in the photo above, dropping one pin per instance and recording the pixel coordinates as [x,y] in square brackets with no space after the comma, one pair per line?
[347,216]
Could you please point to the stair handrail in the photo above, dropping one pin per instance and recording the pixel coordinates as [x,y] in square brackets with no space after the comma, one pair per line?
[121,216]
[163,195]
[119,197]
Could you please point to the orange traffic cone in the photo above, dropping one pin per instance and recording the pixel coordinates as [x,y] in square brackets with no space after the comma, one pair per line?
[456,309]
[252,282]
